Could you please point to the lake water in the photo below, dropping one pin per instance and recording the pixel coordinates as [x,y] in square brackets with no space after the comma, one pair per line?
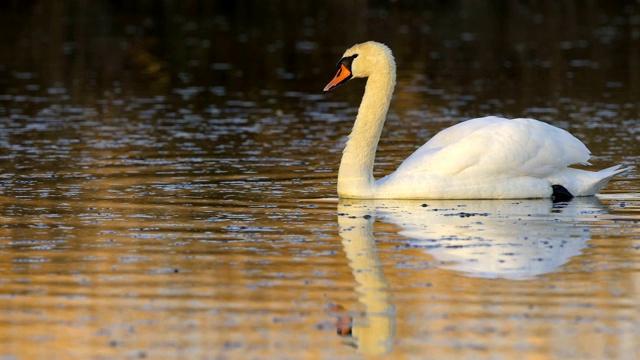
[168,183]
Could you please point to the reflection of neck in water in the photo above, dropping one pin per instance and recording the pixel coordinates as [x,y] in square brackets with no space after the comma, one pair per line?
[373,334]
[511,239]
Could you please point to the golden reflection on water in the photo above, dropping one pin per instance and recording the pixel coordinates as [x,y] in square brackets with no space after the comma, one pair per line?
[197,277]
[134,279]
[543,303]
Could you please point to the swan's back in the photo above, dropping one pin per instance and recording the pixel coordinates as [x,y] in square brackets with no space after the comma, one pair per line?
[493,146]
[493,158]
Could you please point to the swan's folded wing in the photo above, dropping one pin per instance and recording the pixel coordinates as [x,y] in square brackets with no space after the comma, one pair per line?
[496,147]
[458,132]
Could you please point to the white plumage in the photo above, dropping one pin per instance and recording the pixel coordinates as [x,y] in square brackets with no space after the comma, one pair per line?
[484,158]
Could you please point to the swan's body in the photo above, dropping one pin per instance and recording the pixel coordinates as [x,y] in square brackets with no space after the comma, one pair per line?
[484,158]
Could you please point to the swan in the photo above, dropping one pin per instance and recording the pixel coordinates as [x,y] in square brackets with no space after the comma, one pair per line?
[484,158]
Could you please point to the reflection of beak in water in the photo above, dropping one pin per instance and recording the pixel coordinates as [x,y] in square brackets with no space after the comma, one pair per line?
[512,239]
[344,322]
[374,332]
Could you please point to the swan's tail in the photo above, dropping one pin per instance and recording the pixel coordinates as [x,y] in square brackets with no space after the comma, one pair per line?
[586,183]
[601,178]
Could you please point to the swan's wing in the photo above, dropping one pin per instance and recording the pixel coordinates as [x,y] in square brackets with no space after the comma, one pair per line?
[493,146]
[457,132]
[449,136]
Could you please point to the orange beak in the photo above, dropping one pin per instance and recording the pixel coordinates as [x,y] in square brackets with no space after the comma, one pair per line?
[342,76]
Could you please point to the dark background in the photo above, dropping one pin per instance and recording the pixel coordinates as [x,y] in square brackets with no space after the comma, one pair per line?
[525,50]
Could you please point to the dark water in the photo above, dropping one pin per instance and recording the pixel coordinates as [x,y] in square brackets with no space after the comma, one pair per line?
[168,183]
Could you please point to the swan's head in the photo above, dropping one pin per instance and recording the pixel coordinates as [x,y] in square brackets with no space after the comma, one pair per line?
[363,60]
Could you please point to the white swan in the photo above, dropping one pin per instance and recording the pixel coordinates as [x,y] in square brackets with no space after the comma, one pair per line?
[484,158]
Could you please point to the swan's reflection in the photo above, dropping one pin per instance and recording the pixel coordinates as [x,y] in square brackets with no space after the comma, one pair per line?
[511,239]
[373,333]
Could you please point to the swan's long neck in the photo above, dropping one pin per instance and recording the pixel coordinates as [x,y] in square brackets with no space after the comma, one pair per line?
[355,177]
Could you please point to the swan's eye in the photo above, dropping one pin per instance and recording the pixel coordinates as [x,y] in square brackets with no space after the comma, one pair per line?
[346,61]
